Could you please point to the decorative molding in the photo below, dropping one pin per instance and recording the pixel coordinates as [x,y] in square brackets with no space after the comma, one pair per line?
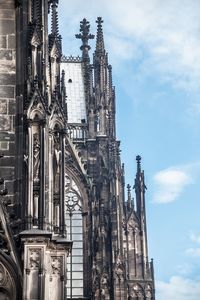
[71,59]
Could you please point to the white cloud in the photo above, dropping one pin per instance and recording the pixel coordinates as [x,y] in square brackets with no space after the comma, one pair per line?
[167,31]
[193,252]
[169,184]
[178,288]
[194,237]
[185,269]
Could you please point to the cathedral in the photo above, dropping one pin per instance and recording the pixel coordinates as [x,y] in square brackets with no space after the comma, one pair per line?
[69,227]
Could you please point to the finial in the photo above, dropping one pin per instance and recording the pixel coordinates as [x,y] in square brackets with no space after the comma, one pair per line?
[85,36]
[100,39]
[129,189]
[130,201]
[138,159]
[129,192]
[63,78]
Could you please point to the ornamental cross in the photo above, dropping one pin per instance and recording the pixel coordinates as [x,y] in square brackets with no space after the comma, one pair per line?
[85,36]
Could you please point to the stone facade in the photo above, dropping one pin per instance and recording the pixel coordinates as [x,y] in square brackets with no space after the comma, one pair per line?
[67,230]
[7,94]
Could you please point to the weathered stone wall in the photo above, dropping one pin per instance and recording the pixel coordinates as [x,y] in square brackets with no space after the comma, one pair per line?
[7,93]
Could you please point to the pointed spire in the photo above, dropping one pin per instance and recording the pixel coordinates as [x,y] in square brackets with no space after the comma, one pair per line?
[85,36]
[100,39]
[54,19]
[36,12]
[141,212]
[129,197]
[63,89]
[139,185]
[55,38]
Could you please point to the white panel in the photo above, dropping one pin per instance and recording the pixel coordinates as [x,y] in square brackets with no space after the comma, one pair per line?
[75,91]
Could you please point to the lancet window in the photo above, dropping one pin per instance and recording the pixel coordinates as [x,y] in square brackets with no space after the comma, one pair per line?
[74,227]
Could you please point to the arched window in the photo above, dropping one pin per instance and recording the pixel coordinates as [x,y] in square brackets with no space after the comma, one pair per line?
[74,227]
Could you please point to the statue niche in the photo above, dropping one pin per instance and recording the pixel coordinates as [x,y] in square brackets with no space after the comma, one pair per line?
[36,174]
[57,163]
[57,155]
[36,157]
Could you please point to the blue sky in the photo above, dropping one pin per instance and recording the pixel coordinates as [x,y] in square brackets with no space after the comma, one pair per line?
[154,48]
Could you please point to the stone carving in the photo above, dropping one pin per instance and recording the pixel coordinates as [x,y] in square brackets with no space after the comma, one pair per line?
[71,58]
[35,102]
[137,291]
[97,122]
[34,258]
[26,159]
[95,281]
[56,163]
[36,157]
[148,291]
[119,268]
[104,284]
[56,265]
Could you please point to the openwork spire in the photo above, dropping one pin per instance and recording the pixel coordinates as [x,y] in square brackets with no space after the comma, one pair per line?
[100,39]
[85,36]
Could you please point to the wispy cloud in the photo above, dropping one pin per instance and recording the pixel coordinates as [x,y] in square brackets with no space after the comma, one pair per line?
[185,269]
[195,237]
[193,252]
[169,184]
[178,288]
[168,33]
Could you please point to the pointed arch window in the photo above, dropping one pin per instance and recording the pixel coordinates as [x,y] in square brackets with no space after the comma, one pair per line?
[74,224]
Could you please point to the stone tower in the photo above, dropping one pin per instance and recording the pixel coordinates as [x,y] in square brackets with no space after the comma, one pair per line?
[67,230]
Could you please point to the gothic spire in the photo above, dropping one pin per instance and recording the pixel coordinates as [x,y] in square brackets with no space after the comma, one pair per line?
[36,12]
[55,38]
[139,187]
[141,211]
[85,36]
[100,39]
[54,19]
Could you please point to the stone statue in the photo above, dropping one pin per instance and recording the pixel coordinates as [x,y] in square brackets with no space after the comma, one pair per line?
[36,157]
[56,163]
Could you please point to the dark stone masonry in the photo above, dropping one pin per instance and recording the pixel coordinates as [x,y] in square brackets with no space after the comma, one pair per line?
[68,228]
[7,93]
